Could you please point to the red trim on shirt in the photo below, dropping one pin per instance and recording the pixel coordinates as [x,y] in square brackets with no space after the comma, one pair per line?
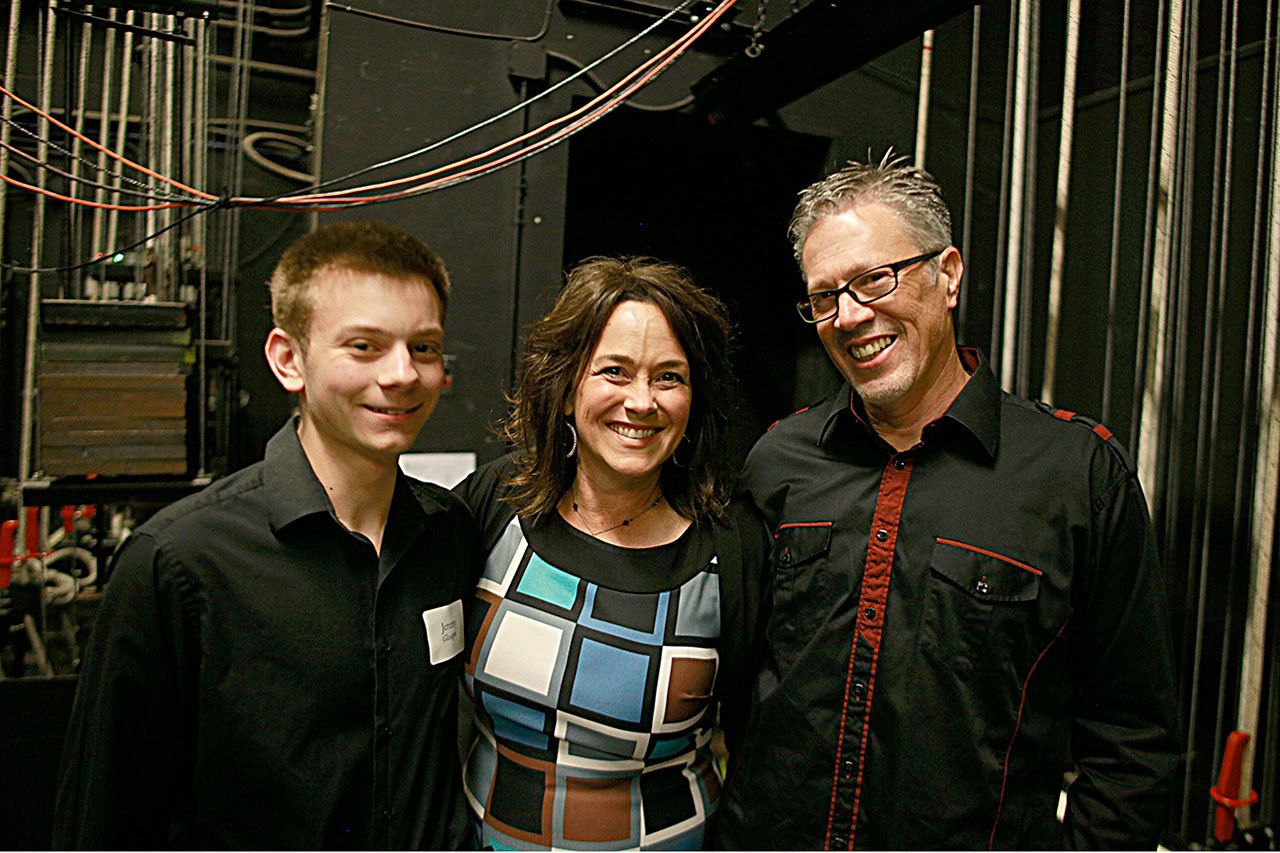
[1000,557]
[873,598]
[1063,414]
[1103,433]
[1017,724]
[782,527]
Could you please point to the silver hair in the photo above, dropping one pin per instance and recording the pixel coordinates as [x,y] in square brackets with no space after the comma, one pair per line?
[909,191]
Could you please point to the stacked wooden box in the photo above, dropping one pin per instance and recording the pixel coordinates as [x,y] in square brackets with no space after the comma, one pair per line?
[113,387]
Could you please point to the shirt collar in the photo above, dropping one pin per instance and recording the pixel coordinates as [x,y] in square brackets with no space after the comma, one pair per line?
[293,489]
[976,409]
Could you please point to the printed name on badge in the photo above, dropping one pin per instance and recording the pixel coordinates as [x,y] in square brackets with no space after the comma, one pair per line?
[444,631]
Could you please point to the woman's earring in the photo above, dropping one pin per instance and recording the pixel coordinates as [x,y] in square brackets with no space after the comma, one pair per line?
[573,440]
[684,442]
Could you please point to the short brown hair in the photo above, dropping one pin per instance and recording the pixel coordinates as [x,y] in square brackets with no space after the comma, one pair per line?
[367,247]
[556,354]
[908,190]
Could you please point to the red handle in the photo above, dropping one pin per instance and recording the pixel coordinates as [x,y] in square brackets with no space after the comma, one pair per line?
[1226,792]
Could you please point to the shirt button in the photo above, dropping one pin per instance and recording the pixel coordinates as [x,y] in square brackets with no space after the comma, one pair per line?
[869,613]
[386,730]
[838,842]
[899,463]
[882,535]
[387,814]
[847,767]
[384,647]
[982,587]
[859,690]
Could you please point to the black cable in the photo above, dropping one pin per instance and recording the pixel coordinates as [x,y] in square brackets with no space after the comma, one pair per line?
[92,165]
[600,86]
[207,207]
[400,158]
[440,28]
[147,196]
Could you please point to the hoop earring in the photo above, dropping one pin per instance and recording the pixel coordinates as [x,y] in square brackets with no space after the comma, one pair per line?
[573,440]
[684,442]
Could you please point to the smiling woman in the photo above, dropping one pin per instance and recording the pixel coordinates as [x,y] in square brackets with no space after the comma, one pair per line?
[618,602]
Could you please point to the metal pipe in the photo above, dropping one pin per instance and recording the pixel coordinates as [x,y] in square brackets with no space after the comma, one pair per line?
[1148,240]
[1113,267]
[104,131]
[1153,366]
[74,211]
[1220,711]
[922,103]
[970,141]
[1002,222]
[26,449]
[1017,199]
[1026,290]
[1210,368]
[6,109]
[126,79]
[1263,526]
[1070,58]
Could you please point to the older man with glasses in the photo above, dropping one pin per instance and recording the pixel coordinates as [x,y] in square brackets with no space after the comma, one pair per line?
[967,607]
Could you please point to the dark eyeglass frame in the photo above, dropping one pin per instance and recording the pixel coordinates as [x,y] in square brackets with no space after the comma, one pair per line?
[805,307]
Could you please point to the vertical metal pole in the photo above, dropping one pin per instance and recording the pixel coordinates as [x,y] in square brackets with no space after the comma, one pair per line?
[1026,289]
[1264,495]
[75,235]
[1153,391]
[104,130]
[970,143]
[1210,372]
[1060,209]
[6,109]
[26,449]
[1017,198]
[122,127]
[1113,268]
[1006,157]
[1148,239]
[922,103]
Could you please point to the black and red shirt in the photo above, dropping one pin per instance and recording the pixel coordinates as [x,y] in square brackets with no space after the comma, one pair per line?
[953,628]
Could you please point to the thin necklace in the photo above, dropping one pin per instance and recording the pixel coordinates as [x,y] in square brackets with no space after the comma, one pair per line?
[626,522]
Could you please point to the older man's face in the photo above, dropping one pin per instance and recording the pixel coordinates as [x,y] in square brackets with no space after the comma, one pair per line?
[890,350]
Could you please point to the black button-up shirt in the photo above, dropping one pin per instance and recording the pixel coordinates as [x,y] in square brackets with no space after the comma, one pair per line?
[953,627]
[259,677]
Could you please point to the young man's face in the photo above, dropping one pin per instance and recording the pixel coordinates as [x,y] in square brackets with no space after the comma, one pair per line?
[372,368]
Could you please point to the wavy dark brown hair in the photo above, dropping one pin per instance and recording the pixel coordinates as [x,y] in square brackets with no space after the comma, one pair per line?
[556,354]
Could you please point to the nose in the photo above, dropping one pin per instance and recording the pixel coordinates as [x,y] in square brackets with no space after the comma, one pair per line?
[850,313]
[397,369]
[640,397]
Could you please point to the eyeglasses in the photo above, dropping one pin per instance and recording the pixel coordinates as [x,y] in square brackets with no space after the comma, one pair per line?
[865,289]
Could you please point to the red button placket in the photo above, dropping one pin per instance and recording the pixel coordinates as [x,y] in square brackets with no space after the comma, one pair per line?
[869,628]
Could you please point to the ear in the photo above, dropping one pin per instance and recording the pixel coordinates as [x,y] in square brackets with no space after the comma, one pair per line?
[284,357]
[950,271]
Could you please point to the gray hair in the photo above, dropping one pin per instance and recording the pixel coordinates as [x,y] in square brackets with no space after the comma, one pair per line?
[911,192]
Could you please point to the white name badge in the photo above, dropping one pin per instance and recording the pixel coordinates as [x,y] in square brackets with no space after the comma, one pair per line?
[444,631]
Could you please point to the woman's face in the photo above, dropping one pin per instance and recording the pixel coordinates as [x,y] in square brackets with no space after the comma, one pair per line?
[632,404]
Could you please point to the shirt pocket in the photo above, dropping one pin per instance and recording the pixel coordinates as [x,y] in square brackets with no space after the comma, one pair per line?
[975,597]
[799,556]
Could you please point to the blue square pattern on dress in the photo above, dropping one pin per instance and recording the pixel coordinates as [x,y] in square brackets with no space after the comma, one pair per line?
[610,681]
[591,618]
[517,722]
[545,582]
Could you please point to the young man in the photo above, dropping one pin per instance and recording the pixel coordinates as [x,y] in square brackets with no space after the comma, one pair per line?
[966,600]
[275,663]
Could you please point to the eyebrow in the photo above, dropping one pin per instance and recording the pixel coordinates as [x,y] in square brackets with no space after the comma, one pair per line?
[347,331]
[630,362]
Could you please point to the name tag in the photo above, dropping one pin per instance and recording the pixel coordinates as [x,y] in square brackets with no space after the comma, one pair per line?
[444,631]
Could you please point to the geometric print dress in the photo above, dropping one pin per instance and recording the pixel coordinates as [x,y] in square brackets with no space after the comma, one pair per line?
[592,670]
